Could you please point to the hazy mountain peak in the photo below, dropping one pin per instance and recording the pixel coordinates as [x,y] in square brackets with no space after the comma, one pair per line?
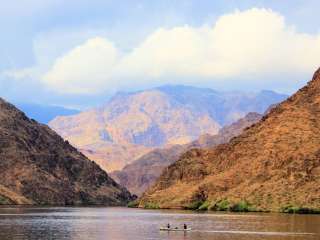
[156,117]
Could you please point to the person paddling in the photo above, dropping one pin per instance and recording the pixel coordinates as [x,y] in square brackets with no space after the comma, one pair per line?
[168,226]
[185,226]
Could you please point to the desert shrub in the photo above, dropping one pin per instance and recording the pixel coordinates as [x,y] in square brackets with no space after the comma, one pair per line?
[151,205]
[223,205]
[299,210]
[204,206]
[4,200]
[241,206]
[133,204]
[195,205]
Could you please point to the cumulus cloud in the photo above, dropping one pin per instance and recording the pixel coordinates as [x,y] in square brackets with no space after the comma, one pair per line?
[249,44]
[255,41]
[85,69]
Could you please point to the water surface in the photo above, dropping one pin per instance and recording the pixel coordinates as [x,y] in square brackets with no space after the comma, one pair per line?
[138,224]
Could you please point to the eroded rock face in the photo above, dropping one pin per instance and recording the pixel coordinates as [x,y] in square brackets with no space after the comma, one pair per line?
[141,121]
[142,173]
[272,164]
[38,167]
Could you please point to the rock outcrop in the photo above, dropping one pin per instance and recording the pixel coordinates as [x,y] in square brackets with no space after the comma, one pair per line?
[38,167]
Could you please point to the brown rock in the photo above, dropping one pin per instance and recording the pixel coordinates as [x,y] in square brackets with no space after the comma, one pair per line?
[38,167]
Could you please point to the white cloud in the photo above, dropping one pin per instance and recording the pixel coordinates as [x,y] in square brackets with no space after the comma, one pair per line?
[85,69]
[250,44]
[240,44]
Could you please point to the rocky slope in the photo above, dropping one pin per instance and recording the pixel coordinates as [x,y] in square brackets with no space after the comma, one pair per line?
[38,167]
[142,173]
[132,124]
[273,165]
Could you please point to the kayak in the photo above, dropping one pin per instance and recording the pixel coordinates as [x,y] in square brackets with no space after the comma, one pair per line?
[175,229]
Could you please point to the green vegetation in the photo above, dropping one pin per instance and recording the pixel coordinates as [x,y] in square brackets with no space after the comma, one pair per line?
[151,206]
[242,206]
[226,205]
[133,204]
[223,205]
[4,200]
[299,210]
[194,205]
[204,206]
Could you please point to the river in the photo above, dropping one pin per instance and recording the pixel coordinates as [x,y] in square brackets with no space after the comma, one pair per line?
[136,224]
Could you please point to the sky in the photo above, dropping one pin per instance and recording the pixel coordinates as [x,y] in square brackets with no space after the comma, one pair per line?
[78,53]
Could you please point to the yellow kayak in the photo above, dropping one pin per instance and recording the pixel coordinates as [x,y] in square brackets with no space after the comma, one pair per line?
[175,229]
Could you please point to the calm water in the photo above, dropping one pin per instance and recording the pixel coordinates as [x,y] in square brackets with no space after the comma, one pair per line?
[135,224]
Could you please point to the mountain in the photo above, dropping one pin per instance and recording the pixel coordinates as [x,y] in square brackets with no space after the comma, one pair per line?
[44,113]
[143,172]
[226,133]
[38,167]
[113,156]
[272,166]
[224,107]
[132,124]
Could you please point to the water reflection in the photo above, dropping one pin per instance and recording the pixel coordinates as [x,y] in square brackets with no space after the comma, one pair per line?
[136,224]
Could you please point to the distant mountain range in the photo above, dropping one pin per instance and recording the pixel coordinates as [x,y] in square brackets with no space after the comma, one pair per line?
[132,124]
[44,113]
[274,165]
[38,167]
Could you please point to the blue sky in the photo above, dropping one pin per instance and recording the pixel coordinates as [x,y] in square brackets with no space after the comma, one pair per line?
[79,52]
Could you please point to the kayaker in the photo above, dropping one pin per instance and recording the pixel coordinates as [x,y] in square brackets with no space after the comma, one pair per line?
[168,226]
[185,226]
